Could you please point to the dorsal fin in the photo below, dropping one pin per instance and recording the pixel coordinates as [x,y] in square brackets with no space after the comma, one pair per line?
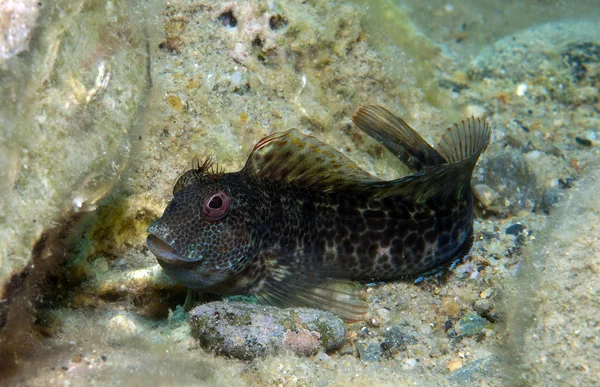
[461,145]
[397,136]
[297,159]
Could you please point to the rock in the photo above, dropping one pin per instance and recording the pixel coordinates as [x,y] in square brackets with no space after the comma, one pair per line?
[485,195]
[514,229]
[247,331]
[482,306]
[396,339]
[549,200]
[471,372]
[508,176]
[369,351]
[471,324]
[17,22]
[454,365]
[449,307]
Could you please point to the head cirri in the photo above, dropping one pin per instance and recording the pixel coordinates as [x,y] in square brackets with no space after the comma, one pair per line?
[202,238]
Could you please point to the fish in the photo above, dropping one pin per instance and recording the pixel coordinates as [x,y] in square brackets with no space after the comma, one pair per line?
[301,224]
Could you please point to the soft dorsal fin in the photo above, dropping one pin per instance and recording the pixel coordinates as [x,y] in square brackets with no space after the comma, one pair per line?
[461,145]
[397,136]
[297,159]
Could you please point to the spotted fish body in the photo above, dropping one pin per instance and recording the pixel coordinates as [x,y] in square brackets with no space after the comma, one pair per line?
[300,219]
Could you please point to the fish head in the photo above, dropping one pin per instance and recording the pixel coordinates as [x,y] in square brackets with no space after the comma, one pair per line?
[203,237]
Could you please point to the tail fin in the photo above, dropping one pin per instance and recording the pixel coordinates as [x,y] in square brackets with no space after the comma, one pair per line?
[461,146]
[463,141]
[397,136]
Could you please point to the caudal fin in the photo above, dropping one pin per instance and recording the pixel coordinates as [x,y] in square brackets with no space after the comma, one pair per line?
[448,173]
[465,140]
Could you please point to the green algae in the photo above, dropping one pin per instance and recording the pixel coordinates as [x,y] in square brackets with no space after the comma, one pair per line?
[74,102]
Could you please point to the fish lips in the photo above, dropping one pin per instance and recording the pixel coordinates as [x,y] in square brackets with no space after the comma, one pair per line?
[158,245]
[178,269]
[162,250]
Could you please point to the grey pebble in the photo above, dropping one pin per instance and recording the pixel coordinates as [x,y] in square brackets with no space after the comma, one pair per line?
[515,229]
[507,175]
[396,338]
[370,350]
[549,200]
[247,331]
[471,324]
[472,372]
[483,306]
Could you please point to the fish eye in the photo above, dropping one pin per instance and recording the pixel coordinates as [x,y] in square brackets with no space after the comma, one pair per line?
[216,205]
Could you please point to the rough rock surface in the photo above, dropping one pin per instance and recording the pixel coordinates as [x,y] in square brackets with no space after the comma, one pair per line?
[246,330]
[17,20]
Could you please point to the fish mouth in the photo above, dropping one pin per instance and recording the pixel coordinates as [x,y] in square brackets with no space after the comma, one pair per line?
[162,250]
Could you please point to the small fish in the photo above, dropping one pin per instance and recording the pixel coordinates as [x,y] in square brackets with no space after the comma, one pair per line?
[301,221]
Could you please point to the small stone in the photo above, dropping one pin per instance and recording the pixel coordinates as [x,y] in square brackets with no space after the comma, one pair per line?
[450,307]
[174,102]
[17,23]
[515,229]
[347,349]
[471,324]
[454,364]
[247,331]
[485,195]
[396,339]
[122,324]
[521,89]
[483,306]
[508,175]
[549,200]
[383,315]
[534,155]
[472,371]
[460,77]
[486,293]
[369,351]
[322,356]
[409,363]
[583,142]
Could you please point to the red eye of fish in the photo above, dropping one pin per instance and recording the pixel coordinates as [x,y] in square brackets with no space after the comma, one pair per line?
[216,205]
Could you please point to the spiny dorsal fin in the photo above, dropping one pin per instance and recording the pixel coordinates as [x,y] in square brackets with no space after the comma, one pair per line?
[463,140]
[297,159]
[461,145]
[397,136]
[294,285]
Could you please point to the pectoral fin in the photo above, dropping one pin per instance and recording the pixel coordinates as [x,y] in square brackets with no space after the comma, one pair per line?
[314,287]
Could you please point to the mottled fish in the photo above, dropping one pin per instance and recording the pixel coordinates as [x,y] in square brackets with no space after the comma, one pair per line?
[301,221]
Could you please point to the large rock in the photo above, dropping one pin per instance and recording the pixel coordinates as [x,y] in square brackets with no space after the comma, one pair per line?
[246,330]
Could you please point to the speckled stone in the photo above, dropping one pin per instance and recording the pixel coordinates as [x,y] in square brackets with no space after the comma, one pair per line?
[471,324]
[247,331]
[512,182]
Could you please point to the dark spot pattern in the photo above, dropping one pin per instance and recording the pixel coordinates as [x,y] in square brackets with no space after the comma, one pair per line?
[273,224]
